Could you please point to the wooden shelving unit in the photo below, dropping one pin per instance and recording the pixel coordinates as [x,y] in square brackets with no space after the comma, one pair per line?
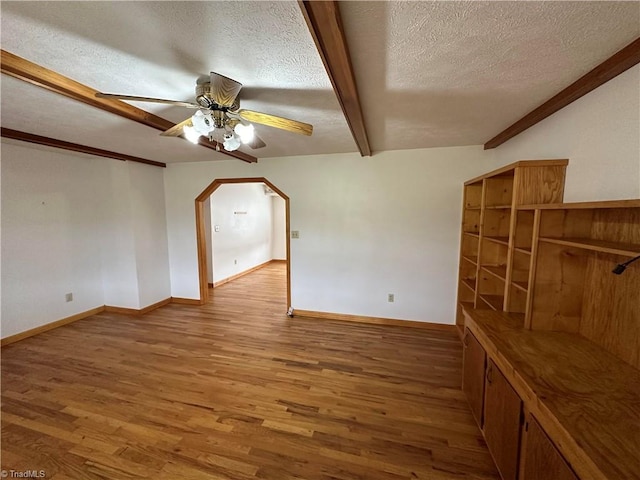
[573,288]
[561,347]
[491,236]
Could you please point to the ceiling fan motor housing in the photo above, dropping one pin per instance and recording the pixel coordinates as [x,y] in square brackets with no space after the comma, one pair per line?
[204,97]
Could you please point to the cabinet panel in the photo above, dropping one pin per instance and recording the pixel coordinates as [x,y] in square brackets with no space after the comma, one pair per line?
[474,359]
[499,190]
[502,414]
[541,459]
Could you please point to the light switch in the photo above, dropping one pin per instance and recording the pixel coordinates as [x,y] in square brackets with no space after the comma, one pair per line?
[295,234]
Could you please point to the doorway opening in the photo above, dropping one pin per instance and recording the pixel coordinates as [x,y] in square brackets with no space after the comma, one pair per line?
[201,232]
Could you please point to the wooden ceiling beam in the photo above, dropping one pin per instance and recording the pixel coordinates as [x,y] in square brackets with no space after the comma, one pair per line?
[325,24]
[626,58]
[74,147]
[34,74]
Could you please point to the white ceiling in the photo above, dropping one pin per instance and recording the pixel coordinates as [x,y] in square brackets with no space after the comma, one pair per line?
[448,73]
[429,73]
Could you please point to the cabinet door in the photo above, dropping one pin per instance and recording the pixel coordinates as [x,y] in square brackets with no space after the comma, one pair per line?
[502,420]
[541,459]
[473,365]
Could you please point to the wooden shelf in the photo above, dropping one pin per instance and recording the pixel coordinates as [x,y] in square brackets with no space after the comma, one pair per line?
[494,301]
[625,249]
[524,286]
[498,207]
[585,398]
[473,260]
[476,182]
[472,234]
[466,305]
[634,203]
[500,240]
[473,207]
[497,271]
[526,251]
[470,283]
[509,170]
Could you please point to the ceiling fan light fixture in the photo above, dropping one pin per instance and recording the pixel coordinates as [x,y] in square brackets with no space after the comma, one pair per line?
[203,122]
[246,132]
[231,142]
[191,134]
[218,115]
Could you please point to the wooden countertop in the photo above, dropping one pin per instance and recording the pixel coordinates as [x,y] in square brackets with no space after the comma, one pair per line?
[587,400]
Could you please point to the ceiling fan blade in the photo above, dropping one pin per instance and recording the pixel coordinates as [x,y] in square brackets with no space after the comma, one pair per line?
[176,130]
[224,90]
[277,122]
[134,98]
[256,143]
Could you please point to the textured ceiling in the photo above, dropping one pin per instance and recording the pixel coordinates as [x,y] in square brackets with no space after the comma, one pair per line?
[457,73]
[429,73]
[160,49]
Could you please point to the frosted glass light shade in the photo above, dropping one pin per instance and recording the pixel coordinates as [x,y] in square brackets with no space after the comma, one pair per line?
[231,142]
[202,122]
[245,132]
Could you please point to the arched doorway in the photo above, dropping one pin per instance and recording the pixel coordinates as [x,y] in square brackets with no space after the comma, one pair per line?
[201,232]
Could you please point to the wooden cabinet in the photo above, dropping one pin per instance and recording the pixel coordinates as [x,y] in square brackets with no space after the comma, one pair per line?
[584,398]
[540,458]
[488,242]
[502,422]
[474,361]
[550,312]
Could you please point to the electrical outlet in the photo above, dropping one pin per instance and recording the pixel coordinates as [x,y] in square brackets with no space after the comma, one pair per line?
[68,297]
[391,298]
[216,228]
[295,234]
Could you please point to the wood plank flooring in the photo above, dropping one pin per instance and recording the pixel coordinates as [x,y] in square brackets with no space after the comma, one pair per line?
[237,390]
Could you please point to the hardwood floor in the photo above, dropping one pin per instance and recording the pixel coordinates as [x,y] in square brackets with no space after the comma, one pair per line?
[237,390]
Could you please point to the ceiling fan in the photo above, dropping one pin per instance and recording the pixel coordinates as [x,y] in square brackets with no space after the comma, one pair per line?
[219,116]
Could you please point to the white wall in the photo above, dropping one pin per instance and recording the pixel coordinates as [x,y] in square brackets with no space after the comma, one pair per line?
[52,225]
[278,228]
[73,223]
[243,215]
[135,257]
[368,227]
[599,134]
[150,232]
[118,251]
